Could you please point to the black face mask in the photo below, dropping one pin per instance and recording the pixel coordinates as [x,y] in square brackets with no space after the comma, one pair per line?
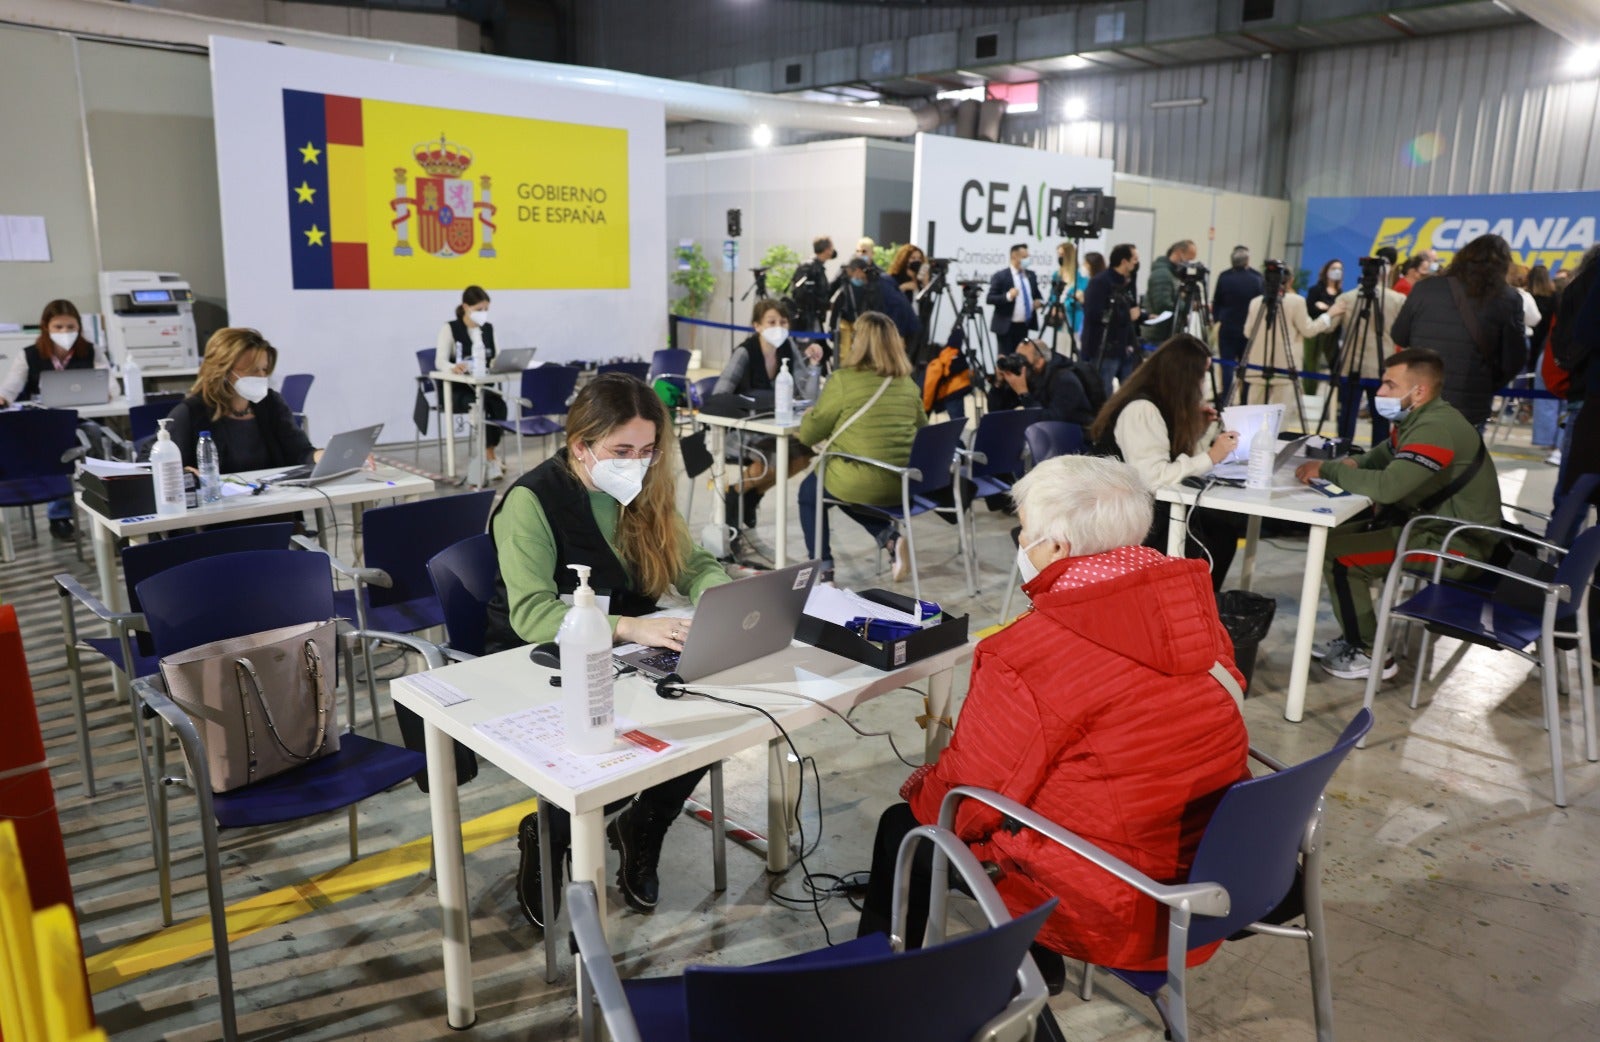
[914,267]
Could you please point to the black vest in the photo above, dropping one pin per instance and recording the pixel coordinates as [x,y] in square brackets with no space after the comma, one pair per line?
[458,330]
[578,541]
[755,370]
[1107,445]
[38,363]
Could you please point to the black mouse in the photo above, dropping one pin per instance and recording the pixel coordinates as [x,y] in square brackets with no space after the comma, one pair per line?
[1194,482]
[547,655]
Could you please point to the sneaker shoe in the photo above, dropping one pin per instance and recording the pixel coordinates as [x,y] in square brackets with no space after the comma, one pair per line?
[61,528]
[902,561]
[1554,459]
[1355,664]
[495,471]
[637,836]
[530,893]
[1329,648]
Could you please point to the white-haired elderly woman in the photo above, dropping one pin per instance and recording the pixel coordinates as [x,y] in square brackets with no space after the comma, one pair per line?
[1098,709]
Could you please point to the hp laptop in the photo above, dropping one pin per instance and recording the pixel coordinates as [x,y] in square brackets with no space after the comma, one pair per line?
[512,359]
[65,388]
[735,623]
[345,454]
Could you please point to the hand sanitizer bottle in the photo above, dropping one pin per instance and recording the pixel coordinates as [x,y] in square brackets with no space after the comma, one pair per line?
[783,396]
[132,382]
[166,469]
[586,697]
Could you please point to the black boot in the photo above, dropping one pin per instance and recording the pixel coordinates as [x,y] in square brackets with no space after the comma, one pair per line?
[752,501]
[636,834]
[730,508]
[530,893]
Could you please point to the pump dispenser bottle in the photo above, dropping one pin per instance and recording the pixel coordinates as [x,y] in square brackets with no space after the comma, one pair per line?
[586,678]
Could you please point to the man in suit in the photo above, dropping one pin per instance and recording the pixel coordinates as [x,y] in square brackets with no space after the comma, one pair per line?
[1014,295]
[1230,305]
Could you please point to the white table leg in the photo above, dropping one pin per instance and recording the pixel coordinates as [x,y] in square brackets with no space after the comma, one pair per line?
[1252,538]
[937,736]
[589,853]
[1176,529]
[450,864]
[447,391]
[780,553]
[477,440]
[105,566]
[1294,710]
[782,780]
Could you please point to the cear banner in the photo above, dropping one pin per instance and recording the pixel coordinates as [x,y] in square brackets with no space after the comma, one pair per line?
[1549,228]
[385,195]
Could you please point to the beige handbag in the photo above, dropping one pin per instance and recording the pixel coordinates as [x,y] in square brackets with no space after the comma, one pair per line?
[263,702]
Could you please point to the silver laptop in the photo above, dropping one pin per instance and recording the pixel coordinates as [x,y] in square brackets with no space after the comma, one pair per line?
[64,388]
[735,623]
[1235,473]
[346,453]
[512,359]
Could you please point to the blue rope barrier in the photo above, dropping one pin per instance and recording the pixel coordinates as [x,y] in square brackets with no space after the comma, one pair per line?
[796,334]
[1531,393]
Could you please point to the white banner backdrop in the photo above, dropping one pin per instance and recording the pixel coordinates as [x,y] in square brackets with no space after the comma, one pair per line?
[361,344]
[973,200]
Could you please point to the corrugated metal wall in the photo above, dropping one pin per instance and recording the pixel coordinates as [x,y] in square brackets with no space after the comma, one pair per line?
[1225,143]
[685,37]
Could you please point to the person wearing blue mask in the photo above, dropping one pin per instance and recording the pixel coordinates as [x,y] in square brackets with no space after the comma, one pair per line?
[1434,462]
[1014,295]
[607,499]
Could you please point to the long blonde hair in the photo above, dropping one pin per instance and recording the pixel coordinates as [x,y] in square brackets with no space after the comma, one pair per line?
[223,351]
[651,539]
[876,346]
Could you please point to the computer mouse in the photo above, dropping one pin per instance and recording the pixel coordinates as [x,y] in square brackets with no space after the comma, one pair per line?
[1194,482]
[547,655]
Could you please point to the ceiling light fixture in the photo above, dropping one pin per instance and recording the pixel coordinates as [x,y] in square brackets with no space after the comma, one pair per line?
[1075,109]
[1178,103]
[761,136]
[1584,61]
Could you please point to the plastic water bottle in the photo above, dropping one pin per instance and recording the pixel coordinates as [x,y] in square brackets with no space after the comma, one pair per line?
[1263,451]
[480,358]
[814,379]
[586,697]
[783,396]
[210,469]
[166,470]
[132,382]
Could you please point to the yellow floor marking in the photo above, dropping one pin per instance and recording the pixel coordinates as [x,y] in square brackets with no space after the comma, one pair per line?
[192,937]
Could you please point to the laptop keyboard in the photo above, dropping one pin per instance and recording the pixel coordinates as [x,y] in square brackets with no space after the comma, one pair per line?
[665,661]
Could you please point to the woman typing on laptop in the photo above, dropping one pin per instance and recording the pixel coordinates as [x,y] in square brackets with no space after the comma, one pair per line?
[458,340]
[251,424]
[605,500]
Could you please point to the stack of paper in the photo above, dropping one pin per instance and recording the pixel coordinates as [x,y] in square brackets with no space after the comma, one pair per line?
[831,604]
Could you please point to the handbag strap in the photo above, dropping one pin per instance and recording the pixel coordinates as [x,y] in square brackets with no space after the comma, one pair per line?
[1223,677]
[244,669]
[1468,315]
[822,446]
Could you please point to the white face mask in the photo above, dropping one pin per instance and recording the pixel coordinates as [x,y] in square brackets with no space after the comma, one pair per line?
[480,317]
[775,335]
[1025,563]
[621,479]
[1391,409]
[1335,274]
[250,388]
[64,340]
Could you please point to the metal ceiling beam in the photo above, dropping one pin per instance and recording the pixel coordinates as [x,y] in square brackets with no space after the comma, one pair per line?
[1576,20]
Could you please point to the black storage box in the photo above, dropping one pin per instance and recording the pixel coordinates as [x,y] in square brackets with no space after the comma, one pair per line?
[123,495]
[949,633]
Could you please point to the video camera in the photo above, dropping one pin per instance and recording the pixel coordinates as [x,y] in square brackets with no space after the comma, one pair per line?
[1085,212]
[1012,363]
[938,267]
[1191,271]
[1371,275]
[1272,276]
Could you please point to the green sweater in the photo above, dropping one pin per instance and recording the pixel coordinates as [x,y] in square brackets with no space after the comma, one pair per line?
[527,552]
[884,433]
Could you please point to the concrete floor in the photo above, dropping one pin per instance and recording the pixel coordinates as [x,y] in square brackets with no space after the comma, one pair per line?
[1461,902]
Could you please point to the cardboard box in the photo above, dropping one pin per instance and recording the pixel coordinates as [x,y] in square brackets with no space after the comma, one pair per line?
[949,633]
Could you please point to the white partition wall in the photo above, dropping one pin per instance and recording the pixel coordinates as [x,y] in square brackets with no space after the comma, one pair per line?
[350,249]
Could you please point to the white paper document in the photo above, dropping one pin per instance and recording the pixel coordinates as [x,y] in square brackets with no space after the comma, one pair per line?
[1247,420]
[539,736]
[113,468]
[23,239]
[831,604]
[436,689]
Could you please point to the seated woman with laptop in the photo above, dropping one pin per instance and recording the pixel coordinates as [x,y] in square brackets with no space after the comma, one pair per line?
[1108,709]
[607,500]
[250,423]
[61,346]
[456,343]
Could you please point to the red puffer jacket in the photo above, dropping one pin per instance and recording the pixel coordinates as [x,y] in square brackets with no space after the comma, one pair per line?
[1097,710]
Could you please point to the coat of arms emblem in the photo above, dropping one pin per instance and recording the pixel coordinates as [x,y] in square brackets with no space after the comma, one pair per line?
[442,204]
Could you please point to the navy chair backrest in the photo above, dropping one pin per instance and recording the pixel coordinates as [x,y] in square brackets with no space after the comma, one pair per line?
[295,388]
[637,370]
[427,362]
[701,389]
[945,993]
[32,441]
[143,419]
[1048,439]
[1001,437]
[669,362]
[464,578]
[140,561]
[1251,844]
[1573,510]
[231,595]
[548,387]
[932,452]
[1577,570]
[400,539]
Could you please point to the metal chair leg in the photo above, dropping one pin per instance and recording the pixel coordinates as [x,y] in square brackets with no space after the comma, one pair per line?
[69,628]
[1586,687]
[1422,667]
[719,832]
[911,542]
[1552,711]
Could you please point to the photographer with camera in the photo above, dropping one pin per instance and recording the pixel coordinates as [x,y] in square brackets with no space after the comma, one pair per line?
[1014,295]
[1110,314]
[1033,377]
[808,287]
[1161,291]
[1273,337]
[864,288]
[1364,346]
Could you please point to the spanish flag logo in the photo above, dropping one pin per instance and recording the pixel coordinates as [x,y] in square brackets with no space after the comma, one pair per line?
[358,220]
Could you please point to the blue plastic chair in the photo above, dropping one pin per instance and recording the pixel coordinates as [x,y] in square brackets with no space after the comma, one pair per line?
[143,421]
[464,577]
[294,390]
[637,370]
[1048,439]
[128,648]
[230,596]
[392,591]
[670,363]
[930,470]
[1479,614]
[544,395]
[981,985]
[701,389]
[996,458]
[427,393]
[1263,840]
[32,444]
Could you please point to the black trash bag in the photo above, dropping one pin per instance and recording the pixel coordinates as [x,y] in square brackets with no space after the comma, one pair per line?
[1247,617]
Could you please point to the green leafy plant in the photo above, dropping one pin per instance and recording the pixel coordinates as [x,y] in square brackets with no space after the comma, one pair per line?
[780,262]
[882,256]
[697,282]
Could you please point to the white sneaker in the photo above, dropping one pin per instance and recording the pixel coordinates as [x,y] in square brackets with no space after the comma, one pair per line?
[1355,664]
[1554,459]
[495,471]
[1329,648]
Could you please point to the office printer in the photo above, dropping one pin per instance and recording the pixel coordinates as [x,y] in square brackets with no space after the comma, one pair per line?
[149,316]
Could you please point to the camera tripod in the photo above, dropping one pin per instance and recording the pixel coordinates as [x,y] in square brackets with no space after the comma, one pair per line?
[976,346]
[1190,315]
[759,286]
[1365,330]
[1278,359]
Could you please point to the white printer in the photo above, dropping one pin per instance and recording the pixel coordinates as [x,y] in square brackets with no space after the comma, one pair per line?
[149,315]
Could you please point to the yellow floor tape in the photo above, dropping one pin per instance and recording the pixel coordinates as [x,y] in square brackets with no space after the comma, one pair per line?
[187,939]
